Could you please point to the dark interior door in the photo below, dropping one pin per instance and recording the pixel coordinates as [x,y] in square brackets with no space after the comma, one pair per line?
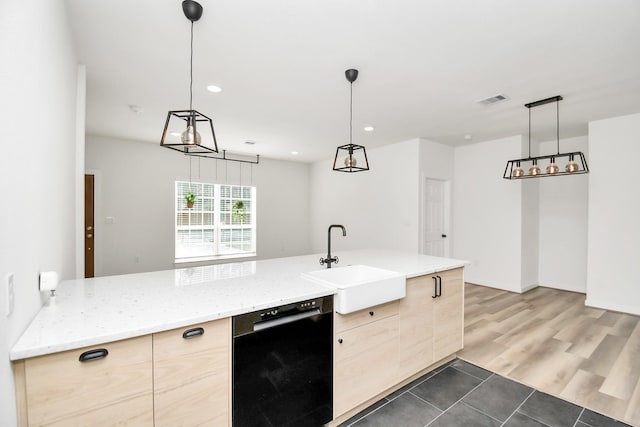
[89,231]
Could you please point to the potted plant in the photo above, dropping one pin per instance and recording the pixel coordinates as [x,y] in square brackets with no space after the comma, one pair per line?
[238,210]
[190,198]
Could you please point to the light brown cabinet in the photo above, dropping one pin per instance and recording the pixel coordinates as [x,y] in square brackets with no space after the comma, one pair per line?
[191,369]
[375,353]
[366,355]
[448,315]
[431,320]
[416,327]
[179,377]
[112,387]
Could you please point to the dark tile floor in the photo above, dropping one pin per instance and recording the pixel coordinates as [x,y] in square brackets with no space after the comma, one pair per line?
[462,394]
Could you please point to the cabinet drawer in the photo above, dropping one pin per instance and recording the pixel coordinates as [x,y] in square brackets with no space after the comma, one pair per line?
[343,322]
[191,375]
[116,389]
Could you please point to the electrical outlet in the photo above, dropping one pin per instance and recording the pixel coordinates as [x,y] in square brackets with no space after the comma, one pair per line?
[11,297]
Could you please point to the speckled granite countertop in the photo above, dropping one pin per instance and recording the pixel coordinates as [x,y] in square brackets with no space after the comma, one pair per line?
[93,311]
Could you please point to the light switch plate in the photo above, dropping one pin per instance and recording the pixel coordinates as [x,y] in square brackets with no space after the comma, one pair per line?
[11,297]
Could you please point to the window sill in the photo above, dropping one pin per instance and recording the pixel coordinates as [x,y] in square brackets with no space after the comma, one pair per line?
[207,259]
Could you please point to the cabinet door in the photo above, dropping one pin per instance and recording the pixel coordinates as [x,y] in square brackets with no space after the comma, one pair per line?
[191,375]
[416,326]
[366,363]
[449,314]
[104,391]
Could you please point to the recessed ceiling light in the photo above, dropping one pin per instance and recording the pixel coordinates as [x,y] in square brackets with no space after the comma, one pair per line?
[468,137]
[369,128]
[136,109]
[250,142]
[295,153]
[214,88]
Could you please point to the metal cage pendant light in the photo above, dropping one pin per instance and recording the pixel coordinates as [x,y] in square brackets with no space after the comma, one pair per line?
[515,169]
[189,131]
[355,156]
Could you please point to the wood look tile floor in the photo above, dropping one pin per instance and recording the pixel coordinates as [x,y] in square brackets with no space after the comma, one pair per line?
[547,339]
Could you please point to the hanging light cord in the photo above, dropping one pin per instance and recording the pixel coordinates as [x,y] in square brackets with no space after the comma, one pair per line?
[351,115]
[191,72]
[529,132]
[558,126]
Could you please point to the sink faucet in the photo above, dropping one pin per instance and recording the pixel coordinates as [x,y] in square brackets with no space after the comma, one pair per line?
[328,260]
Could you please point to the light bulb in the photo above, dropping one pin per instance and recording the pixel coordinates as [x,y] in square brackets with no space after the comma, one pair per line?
[553,169]
[534,169]
[188,136]
[518,171]
[572,166]
[350,161]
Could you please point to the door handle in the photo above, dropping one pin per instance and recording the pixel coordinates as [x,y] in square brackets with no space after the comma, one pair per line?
[192,333]
[91,355]
[435,287]
[444,235]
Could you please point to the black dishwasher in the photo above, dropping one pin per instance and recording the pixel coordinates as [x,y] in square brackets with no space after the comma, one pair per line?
[283,365]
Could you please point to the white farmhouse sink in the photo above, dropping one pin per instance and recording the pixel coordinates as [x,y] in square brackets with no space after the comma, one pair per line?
[360,286]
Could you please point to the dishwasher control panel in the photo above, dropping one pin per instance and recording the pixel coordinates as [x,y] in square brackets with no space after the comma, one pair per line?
[246,323]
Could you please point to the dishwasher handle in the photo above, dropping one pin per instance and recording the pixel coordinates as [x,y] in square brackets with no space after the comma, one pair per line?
[272,323]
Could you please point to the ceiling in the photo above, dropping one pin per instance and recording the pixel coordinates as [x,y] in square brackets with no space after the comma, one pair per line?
[423,66]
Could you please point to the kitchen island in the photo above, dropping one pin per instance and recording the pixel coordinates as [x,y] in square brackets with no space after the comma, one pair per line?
[147,306]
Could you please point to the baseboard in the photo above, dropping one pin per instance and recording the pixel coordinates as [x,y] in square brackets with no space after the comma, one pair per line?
[529,287]
[612,307]
[517,291]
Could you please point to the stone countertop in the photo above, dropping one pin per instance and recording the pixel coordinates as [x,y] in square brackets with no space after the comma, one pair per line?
[89,312]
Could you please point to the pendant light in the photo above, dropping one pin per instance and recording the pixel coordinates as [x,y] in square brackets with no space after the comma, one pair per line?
[534,169]
[355,156]
[189,131]
[514,169]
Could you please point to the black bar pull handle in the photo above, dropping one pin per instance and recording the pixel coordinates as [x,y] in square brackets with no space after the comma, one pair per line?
[91,355]
[192,333]
[340,340]
[435,287]
[439,286]
[371,313]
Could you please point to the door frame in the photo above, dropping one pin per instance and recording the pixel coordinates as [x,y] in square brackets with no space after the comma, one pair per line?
[97,222]
[89,208]
[422,244]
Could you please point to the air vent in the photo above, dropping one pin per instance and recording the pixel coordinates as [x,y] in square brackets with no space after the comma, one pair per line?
[492,100]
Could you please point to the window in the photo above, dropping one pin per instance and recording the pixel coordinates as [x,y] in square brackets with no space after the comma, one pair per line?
[221,222]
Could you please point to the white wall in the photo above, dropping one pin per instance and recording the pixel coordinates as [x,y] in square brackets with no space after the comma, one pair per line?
[379,207]
[529,243]
[135,186]
[436,160]
[37,164]
[487,213]
[563,211]
[614,214]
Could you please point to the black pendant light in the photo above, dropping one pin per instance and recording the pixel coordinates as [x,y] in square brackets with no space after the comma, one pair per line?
[189,131]
[514,169]
[351,157]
